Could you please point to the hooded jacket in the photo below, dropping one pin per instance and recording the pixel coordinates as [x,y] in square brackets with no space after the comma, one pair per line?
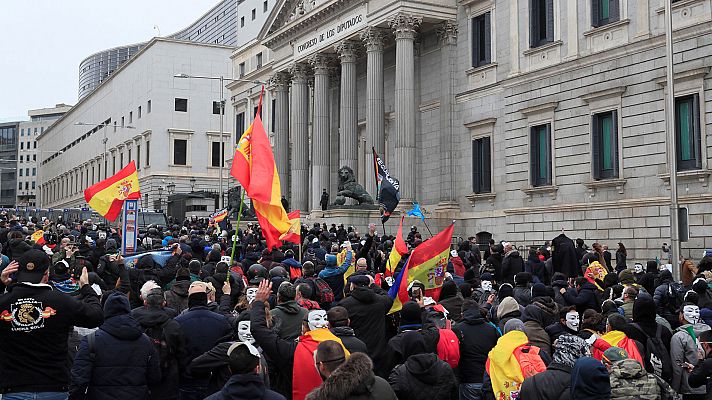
[349,339]
[512,264]
[564,256]
[477,339]
[353,380]
[629,380]
[177,296]
[334,275]
[452,300]
[367,307]
[424,376]
[245,386]
[535,320]
[291,316]
[644,323]
[590,380]
[683,348]
[123,362]
[584,299]
[552,384]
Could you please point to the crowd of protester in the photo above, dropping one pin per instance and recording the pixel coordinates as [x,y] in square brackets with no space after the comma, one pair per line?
[556,321]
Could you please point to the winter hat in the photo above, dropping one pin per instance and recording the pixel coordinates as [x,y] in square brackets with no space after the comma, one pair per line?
[412,343]
[626,277]
[116,304]
[330,260]
[610,280]
[449,289]
[651,266]
[522,278]
[470,275]
[183,274]
[590,380]
[568,349]
[614,354]
[33,265]
[644,309]
[506,306]
[514,324]
[505,290]
[111,246]
[699,286]
[411,315]
[485,277]
[538,290]
[360,280]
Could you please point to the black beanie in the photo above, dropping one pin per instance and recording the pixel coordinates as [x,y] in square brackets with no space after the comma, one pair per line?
[411,314]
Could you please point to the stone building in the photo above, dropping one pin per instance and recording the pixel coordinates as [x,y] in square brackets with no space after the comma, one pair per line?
[517,118]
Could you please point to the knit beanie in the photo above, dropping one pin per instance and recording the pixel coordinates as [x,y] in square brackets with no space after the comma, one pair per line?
[506,306]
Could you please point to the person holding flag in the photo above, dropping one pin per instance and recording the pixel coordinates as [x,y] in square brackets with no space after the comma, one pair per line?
[399,250]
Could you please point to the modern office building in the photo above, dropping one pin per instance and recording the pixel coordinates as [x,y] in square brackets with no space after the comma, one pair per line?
[8,163]
[169,126]
[217,26]
[519,119]
[26,156]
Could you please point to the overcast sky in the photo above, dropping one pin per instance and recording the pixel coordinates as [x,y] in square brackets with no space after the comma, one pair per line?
[43,41]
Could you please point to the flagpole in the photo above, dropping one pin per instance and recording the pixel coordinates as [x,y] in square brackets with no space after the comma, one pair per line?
[426,225]
[375,175]
[234,240]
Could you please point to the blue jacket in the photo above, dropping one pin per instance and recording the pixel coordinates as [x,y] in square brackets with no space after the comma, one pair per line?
[124,361]
[245,386]
[334,275]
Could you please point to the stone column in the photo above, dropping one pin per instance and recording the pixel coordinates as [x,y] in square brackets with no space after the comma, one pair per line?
[404,27]
[447,33]
[335,88]
[320,130]
[299,129]
[375,110]
[280,81]
[348,141]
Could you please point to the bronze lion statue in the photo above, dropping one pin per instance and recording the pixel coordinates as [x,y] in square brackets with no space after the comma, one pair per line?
[349,188]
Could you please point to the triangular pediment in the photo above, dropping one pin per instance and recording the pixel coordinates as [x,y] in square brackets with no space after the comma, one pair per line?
[287,11]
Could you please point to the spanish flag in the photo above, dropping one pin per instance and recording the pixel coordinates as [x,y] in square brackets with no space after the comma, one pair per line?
[107,197]
[398,251]
[254,167]
[427,264]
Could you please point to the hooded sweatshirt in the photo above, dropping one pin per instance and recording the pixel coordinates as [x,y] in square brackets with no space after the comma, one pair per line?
[590,380]
[684,348]
[291,315]
[245,386]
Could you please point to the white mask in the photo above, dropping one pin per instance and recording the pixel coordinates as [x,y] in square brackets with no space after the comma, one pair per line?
[207,238]
[691,314]
[250,295]
[638,268]
[244,333]
[572,320]
[486,286]
[317,319]
[102,235]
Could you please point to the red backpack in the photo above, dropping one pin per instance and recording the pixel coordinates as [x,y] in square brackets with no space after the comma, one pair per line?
[449,347]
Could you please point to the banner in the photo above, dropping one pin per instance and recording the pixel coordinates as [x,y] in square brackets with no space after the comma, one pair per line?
[388,188]
[129,227]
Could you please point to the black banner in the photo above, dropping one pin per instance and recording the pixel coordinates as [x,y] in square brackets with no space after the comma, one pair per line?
[388,188]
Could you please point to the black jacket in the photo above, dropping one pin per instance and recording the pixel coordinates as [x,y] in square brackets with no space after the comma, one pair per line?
[477,338]
[585,298]
[512,264]
[353,380]
[175,359]
[123,361]
[552,384]
[367,309]
[424,376]
[177,296]
[37,359]
[202,330]
[349,339]
[564,256]
[245,386]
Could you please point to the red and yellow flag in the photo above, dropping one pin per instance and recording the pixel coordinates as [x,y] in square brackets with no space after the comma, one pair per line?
[254,167]
[107,197]
[398,251]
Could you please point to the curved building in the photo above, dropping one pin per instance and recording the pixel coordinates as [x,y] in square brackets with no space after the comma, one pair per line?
[218,25]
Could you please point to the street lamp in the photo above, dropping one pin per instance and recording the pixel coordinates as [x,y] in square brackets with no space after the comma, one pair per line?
[222,80]
[160,198]
[171,188]
[192,185]
[103,126]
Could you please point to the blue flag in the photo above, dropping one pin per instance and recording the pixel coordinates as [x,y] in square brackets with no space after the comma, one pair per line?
[416,212]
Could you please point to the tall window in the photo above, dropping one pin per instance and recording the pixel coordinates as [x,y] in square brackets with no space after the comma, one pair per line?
[687,133]
[242,22]
[481,40]
[264,6]
[181,105]
[604,145]
[254,14]
[139,112]
[540,155]
[239,124]
[242,69]
[113,164]
[273,116]
[180,152]
[541,22]
[34,171]
[122,122]
[148,153]
[129,154]
[258,58]
[481,166]
[130,117]
[121,160]
[215,154]
[148,107]
[216,107]
[254,111]
[138,156]
[604,12]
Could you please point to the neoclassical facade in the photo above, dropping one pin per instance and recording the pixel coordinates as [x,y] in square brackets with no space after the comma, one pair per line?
[517,118]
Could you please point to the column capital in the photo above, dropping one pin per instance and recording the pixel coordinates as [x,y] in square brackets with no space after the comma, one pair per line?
[279,81]
[373,38]
[321,63]
[447,32]
[347,50]
[405,25]
[299,72]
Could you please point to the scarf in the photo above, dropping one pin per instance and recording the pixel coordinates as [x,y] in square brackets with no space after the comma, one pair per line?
[503,367]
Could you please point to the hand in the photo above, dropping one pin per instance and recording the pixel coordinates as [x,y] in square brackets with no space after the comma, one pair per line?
[9,270]
[119,259]
[263,291]
[490,298]
[69,252]
[689,367]
[84,278]
[370,279]
[177,250]
[227,289]
[562,290]
[348,247]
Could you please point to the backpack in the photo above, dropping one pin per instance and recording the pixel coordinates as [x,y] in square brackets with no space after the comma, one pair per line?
[158,338]
[324,294]
[666,391]
[657,359]
[449,347]
[529,360]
